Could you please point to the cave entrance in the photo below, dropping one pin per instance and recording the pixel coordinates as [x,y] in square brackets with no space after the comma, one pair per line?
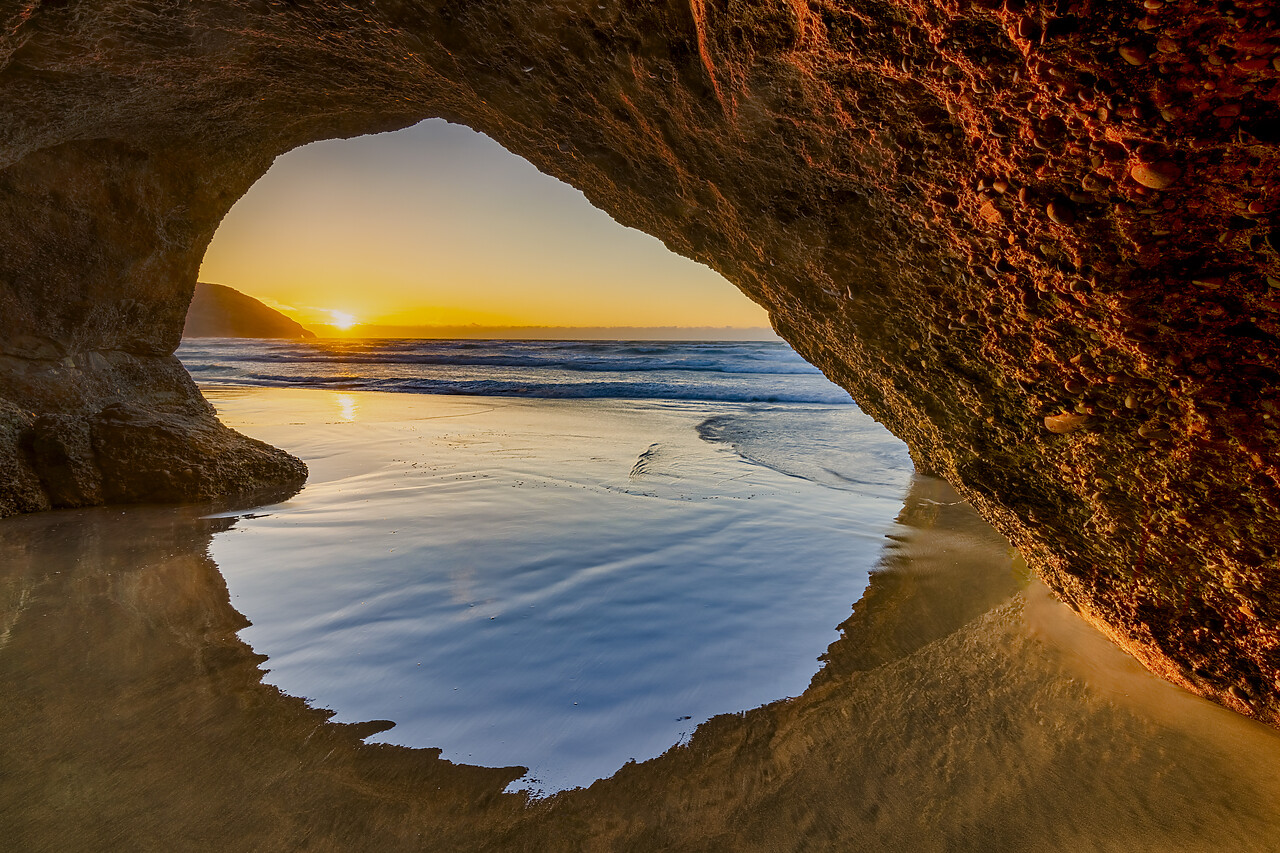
[627,509]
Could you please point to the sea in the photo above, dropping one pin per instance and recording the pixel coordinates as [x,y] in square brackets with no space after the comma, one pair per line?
[703,371]
[558,555]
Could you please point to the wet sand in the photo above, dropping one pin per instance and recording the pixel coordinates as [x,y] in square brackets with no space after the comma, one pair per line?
[560,584]
[961,709]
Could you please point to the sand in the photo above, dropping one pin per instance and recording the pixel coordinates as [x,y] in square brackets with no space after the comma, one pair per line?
[960,706]
[560,584]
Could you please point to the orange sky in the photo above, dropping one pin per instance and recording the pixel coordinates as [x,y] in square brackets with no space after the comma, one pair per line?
[437,224]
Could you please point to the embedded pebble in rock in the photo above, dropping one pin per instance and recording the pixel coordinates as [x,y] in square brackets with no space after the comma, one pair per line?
[1066,422]
[1154,431]
[1133,54]
[1061,212]
[1159,175]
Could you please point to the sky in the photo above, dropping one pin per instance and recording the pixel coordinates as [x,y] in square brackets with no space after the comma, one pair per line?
[439,225]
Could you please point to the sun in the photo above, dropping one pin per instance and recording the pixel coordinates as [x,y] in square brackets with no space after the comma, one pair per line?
[342,320]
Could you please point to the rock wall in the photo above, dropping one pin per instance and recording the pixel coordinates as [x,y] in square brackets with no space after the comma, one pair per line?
[1037,240]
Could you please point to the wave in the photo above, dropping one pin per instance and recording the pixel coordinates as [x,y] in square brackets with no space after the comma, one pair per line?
[544,390]
[838,448]
[584,356]
[737,372]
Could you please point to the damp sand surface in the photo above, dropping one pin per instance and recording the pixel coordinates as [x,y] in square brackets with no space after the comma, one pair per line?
[958,707]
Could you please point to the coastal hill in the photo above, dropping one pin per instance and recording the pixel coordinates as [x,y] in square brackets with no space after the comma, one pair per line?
[218,311]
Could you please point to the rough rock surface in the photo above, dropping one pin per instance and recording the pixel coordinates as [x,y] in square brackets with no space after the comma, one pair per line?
[218,311]
[1037,240]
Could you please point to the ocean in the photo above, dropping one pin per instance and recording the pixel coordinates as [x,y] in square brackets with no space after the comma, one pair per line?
[708,371]
[559,555]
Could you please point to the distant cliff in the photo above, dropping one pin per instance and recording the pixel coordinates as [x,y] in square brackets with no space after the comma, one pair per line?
[218,311]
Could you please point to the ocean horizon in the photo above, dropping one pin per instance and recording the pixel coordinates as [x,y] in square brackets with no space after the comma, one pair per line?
[724,371]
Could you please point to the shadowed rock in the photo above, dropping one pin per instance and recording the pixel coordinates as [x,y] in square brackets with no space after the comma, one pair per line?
[973,216]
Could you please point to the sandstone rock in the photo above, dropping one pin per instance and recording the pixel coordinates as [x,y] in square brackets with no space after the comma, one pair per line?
[128,129]
[62,453]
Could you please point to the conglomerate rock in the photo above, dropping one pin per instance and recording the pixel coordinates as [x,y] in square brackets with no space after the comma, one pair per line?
[1036,240]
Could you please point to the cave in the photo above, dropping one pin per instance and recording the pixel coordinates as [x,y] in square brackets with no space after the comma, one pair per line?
[1035,240]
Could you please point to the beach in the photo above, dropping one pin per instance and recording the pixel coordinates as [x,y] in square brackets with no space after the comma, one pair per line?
[480,610]
[561,584]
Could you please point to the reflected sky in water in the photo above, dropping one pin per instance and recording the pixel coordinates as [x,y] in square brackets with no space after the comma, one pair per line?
[565,586]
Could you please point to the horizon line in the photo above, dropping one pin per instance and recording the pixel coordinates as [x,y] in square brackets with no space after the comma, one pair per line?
[533,332]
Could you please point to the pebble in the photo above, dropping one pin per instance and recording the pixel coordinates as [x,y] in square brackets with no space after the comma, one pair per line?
[1159,175]
[1133,54]
[1066,422]
[1061,212]
[1253,64]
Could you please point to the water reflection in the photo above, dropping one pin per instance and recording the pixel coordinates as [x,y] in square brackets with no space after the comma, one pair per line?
[962,709]
[348,406]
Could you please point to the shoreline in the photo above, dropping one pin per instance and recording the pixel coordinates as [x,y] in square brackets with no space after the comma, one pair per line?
[954,693]
[655,577]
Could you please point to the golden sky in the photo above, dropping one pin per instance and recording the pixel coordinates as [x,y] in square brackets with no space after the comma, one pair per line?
[439,225]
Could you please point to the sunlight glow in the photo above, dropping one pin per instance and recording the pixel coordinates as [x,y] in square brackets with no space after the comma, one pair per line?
[342,320]
[347,406]
[437,225]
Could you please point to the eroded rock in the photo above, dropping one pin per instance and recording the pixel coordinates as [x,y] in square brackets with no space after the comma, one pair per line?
[867,171]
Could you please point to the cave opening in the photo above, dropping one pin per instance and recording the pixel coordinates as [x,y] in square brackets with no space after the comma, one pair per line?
[569,495]
[437,231]
[1092,213]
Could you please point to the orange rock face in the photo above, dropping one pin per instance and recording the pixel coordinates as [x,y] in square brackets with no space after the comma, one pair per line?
[975,216]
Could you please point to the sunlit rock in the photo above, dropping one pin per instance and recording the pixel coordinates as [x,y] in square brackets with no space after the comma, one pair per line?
[876,174]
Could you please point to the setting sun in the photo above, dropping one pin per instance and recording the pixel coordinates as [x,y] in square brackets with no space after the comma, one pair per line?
[438,225]
[341,320]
